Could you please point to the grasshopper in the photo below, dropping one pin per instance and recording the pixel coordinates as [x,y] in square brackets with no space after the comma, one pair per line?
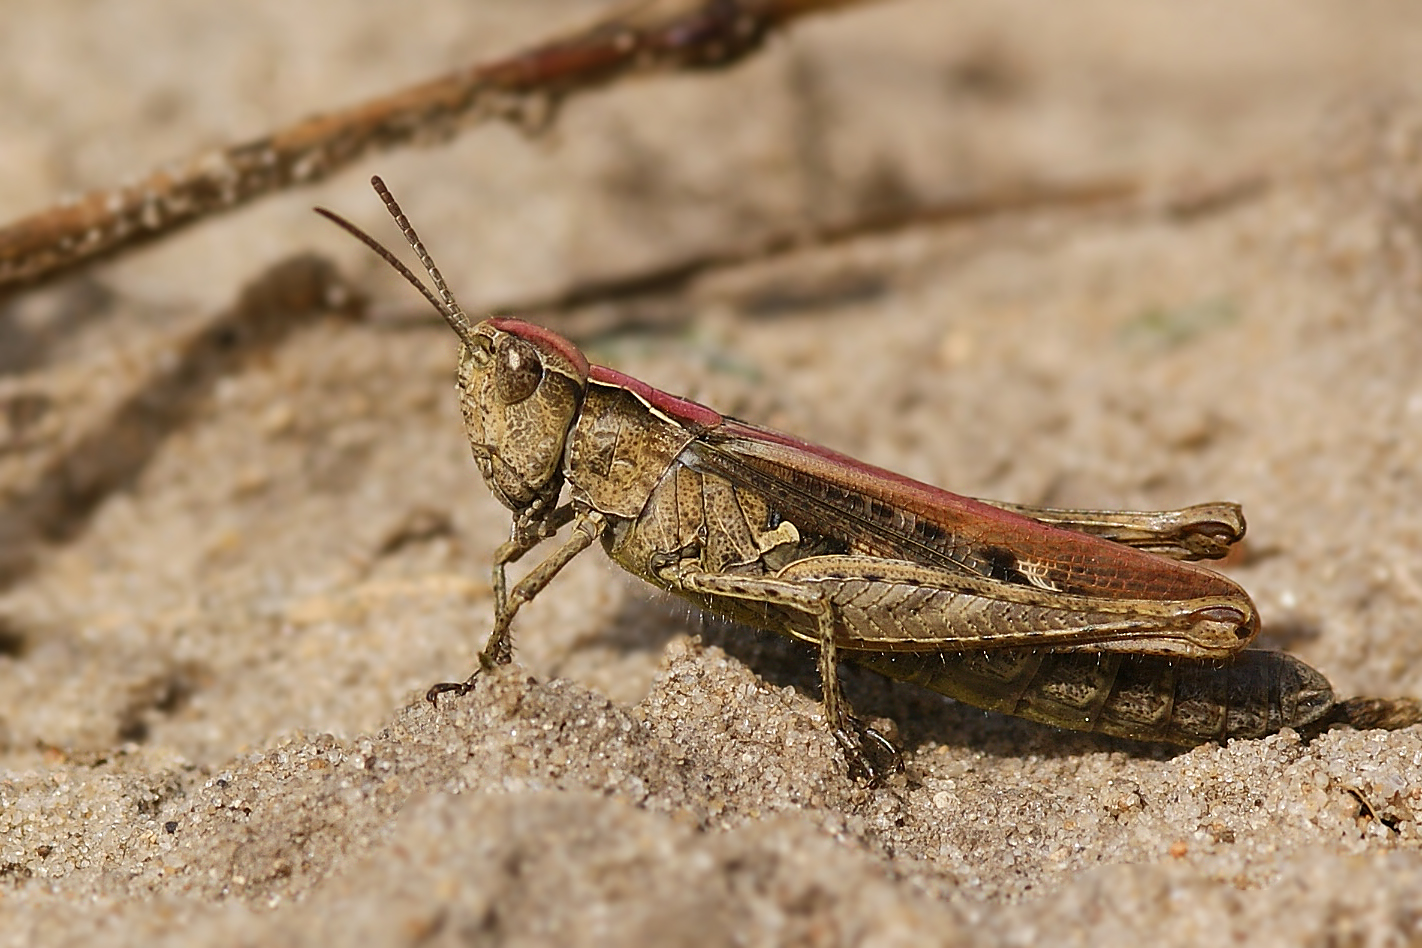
[1094,620]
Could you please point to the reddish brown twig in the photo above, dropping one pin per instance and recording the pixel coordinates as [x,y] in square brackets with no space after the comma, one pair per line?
[525,88]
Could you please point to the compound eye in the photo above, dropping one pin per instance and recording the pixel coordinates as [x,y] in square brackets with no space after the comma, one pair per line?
[519,370]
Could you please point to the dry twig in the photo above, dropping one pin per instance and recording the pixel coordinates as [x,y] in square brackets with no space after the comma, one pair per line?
[526,88]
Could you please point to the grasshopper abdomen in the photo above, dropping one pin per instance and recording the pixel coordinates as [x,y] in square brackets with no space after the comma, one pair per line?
[1144,698]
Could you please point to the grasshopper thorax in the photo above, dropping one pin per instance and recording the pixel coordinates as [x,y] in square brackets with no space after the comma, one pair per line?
[521,388]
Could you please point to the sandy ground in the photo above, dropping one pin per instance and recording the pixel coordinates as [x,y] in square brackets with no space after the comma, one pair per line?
[242,532]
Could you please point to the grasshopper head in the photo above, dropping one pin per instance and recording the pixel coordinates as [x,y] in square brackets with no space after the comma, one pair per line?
[521,388]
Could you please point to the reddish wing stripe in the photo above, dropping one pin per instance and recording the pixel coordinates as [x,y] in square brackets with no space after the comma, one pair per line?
[886,514]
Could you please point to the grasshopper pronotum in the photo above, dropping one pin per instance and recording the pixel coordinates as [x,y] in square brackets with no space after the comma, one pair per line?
[1093,620]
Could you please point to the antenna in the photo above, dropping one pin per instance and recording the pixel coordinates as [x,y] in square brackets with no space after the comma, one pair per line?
[445,302]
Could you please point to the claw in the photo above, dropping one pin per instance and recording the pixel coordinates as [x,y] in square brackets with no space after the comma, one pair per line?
[458,688]
[487,662]
[871,766]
